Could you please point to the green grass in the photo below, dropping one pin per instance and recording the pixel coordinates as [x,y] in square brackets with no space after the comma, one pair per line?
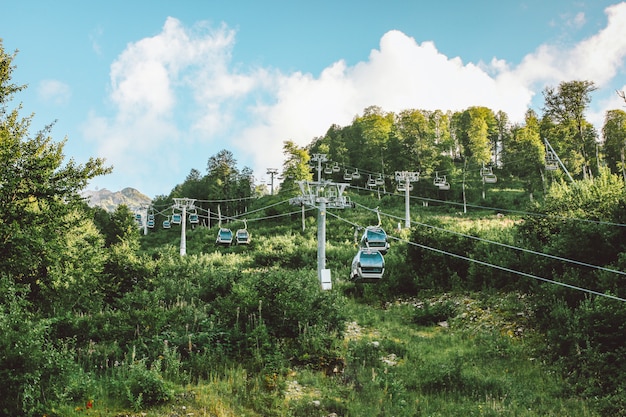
[473,365]
[445,355]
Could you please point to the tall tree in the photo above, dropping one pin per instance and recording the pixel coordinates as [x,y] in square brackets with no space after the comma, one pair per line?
[222,175]
[566,106]
[614,133]
[39,191]
[295,167]
[524,153]
[374,128]
[477,131]
[418,150]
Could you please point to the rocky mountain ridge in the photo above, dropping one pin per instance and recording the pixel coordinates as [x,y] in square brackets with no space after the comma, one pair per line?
[109,200]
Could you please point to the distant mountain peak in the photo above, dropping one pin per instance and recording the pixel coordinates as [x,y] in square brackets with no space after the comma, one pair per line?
[109,200]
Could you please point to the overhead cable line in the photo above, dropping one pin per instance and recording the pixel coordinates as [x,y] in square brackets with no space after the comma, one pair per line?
[502,268]
[505,245]
[521,212]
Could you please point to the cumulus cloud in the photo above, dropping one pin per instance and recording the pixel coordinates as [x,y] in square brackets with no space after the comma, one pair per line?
[181,85]
[54,92]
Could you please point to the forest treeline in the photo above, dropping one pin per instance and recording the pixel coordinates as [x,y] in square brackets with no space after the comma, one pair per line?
[90,307]
[458,145]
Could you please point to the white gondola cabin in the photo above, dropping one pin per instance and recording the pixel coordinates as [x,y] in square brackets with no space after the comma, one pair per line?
[367,266]
[176,218]
[375,238]
[166,224]
[242,237]
[224,236]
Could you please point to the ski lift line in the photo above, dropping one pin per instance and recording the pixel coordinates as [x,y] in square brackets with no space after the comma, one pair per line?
[527,213]
[513,271]
[505,245]
[263,208]
[242,215]
[502,268]
[268,217]
[227,200]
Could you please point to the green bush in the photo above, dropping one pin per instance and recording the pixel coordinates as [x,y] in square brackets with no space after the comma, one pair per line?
[34,370]
[137,384]
[429,314]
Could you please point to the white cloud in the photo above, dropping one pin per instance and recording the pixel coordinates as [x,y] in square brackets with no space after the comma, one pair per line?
[54,92]
[181,85]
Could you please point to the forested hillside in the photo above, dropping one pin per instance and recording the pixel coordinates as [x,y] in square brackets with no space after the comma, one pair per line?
[502,292]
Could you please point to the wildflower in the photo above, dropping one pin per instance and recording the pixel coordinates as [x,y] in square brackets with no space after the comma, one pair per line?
[89,404]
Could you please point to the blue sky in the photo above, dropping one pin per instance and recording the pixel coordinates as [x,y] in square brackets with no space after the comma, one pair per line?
[158,87]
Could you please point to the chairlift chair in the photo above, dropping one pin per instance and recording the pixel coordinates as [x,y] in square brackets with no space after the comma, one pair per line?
[551,161]
[380,181]
[346,175]
[336,167]
[371,182]
[356,175]
[488,176]
[328,170]
[368,266]
[441,182]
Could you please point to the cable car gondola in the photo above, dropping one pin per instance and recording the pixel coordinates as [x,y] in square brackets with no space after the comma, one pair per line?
[193,218]
[367,266]
[375,238]
[176,218]
[224,236]
[166,224]
[242,237]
